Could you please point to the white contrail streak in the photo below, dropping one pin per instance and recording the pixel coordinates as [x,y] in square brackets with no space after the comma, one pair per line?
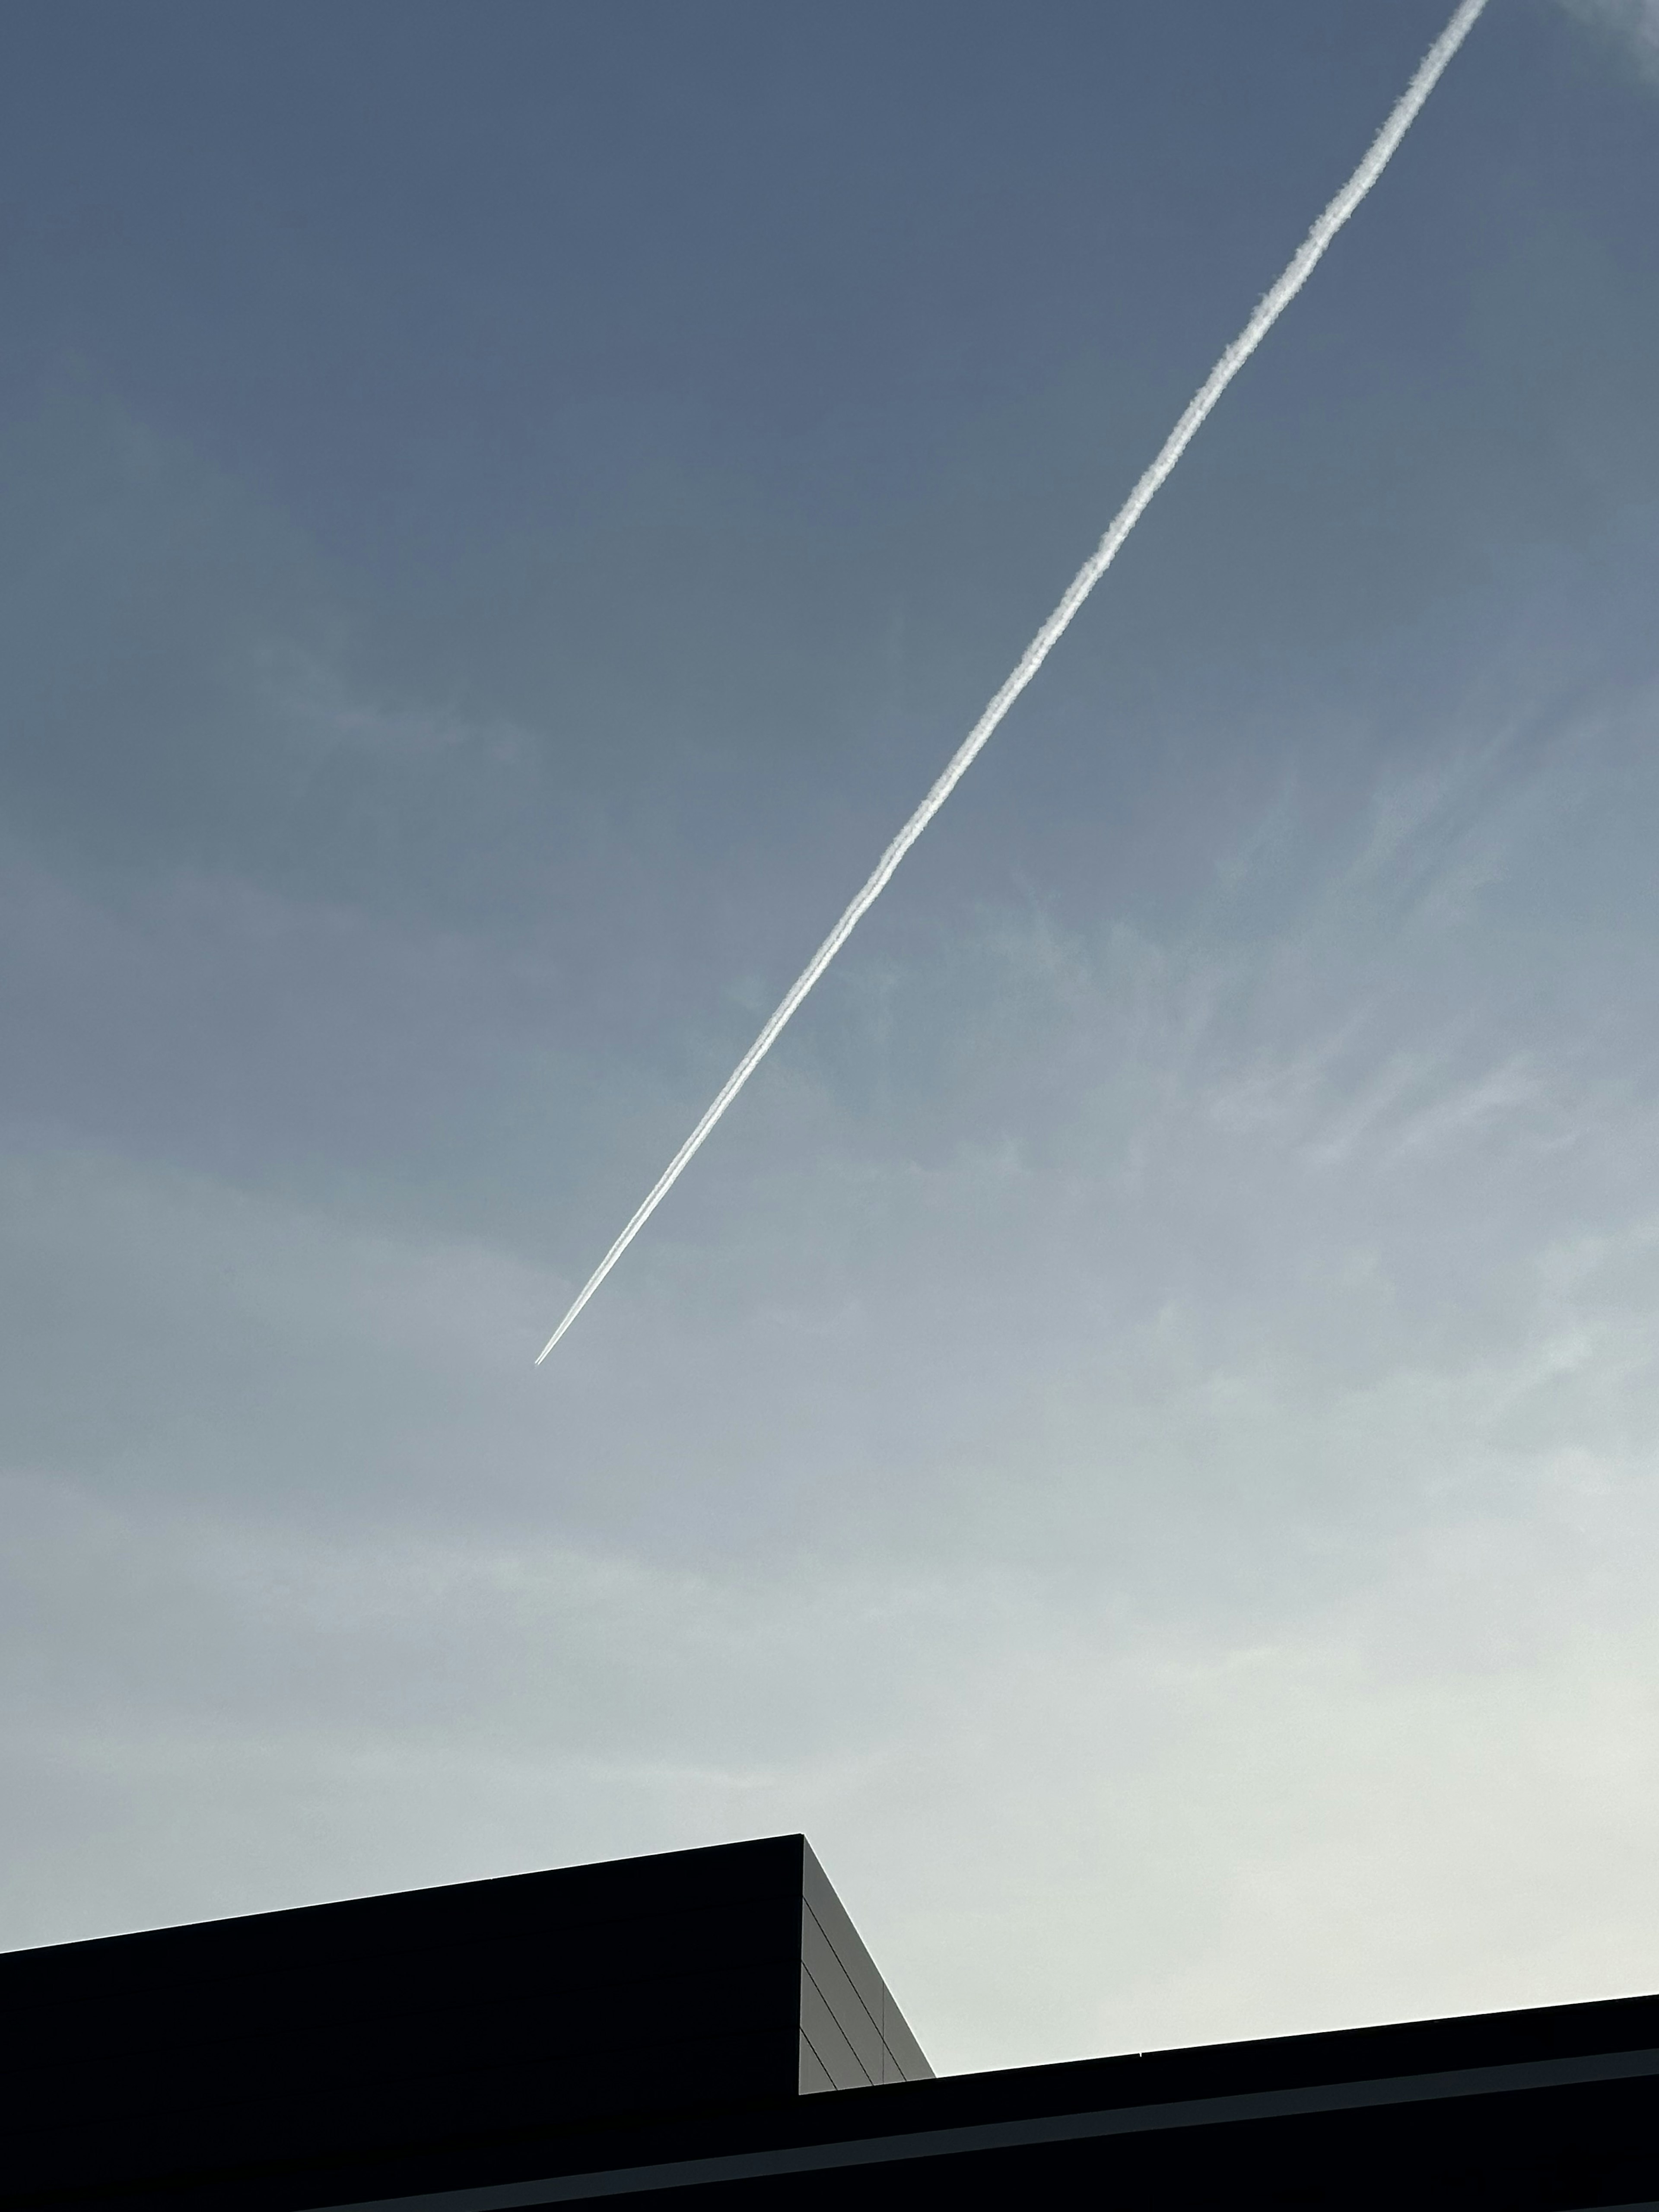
[1271,308]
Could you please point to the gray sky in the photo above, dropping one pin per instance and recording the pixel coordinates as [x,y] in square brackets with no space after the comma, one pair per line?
[1138,1432]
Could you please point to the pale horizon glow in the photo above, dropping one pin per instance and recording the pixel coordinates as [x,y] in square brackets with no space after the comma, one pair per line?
[1268,309]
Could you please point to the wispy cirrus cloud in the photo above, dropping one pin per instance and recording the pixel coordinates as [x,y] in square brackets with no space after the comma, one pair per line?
[1634,23]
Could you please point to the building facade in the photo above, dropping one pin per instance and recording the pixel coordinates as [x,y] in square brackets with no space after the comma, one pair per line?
[706,2028]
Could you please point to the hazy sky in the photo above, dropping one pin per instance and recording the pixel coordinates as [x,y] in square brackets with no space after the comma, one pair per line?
[1140,1433]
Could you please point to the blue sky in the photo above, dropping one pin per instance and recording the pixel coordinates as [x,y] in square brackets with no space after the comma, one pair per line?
[1139,1431]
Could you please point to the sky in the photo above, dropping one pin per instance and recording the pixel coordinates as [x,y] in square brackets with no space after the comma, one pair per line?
[1140,1433]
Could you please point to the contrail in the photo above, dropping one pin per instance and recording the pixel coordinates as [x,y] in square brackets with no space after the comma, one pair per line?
[1268,311]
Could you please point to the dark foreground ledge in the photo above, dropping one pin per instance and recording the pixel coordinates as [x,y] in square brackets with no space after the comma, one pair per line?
[1551,2109]
[654,2029]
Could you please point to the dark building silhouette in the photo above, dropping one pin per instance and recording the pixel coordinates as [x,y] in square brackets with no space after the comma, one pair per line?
[665,2029]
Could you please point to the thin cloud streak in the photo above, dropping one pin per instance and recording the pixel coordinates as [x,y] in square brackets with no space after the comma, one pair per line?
[1266,314]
